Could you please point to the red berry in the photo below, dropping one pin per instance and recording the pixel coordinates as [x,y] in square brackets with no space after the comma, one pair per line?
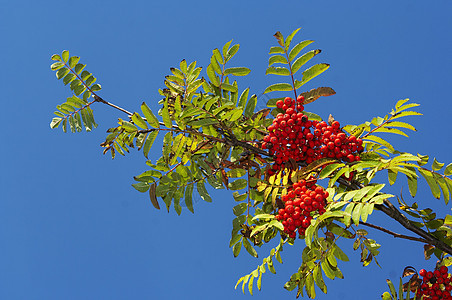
[288,101]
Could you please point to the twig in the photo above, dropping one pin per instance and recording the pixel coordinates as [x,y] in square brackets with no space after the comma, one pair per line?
[396,235]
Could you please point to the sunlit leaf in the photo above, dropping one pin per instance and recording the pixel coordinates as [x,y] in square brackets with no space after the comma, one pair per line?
[280,87]
[297,48]
[299,62]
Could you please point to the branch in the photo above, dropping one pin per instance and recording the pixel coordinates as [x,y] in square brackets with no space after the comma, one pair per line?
[391,211]
[396,235]
[99,99]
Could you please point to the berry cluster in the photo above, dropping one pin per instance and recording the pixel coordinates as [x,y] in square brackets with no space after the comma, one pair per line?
[302,200]
[293,136]
[435,285]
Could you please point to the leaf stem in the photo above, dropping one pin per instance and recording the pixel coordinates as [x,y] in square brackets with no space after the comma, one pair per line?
[291,74]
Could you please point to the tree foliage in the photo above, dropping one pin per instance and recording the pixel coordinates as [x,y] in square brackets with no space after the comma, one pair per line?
[212,136]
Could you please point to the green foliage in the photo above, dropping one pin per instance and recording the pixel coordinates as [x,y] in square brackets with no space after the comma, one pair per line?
[76,110]
[282,55]
[212,135]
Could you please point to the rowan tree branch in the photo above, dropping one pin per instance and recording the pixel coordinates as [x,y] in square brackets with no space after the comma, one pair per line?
[391,211]
[396,235]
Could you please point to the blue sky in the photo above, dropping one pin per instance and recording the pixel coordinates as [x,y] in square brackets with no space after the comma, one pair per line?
[74,228]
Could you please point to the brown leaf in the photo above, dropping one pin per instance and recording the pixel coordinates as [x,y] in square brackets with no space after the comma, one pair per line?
[408,271]
[314,94]
[415,282]
[224,178]
[263,112]
[329,235]
[293,164]
[278,35]
[330,119]
[428,251]
[153,196]
[279,204]
[246,231]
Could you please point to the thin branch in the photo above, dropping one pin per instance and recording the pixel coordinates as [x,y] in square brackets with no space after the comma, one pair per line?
[99,99]
[391,211]
[396,235]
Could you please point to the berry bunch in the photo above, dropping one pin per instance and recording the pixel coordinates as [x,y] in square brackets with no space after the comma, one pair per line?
[293,136]
[435,285]
[301,202]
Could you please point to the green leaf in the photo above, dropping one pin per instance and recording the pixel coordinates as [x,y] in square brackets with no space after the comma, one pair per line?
[277,59]
[203,191]
[276,50]
[280,87]
[56,66]
[405,114]
[380,141]
[313,72]
[243,98]
[239,209]
[237,71]
[431,182]
[327,170]
[96,87]
[392,176]
[73,61]
[250,106]
[436,166]
[138,120]
[277,71]
[392,289]
[443,185]
[386,296]
[189,197]
[339,253]
[236,249]
[165,115]
[299,62]
[317,274]
[65,55]
[390,130]
[249,248]
[448,170]
[229,87]
[212,76]
[56,57]
[150,117]
[297,48]
[218,56]
[357,213]
[289,38]
[412,184]
[203,122]
[233,115]
[401,124]
[55,122]
[148,143]
[68,78]
[62,72]
[141,186]
[238,184]
[231,52]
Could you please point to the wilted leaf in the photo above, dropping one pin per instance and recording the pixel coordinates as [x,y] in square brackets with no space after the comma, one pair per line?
[408,271]
[152,195]
[314,94]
